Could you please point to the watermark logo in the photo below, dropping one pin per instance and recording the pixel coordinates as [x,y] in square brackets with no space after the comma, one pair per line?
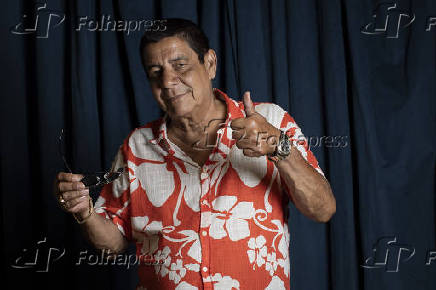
[431,22]
[388,254]
[108,23]
[40,23]
[388,21]
[207,143]
[106,257]
[40,257]
[43,20]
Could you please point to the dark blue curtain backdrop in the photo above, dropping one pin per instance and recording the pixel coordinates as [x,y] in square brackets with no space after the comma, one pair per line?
[319,60]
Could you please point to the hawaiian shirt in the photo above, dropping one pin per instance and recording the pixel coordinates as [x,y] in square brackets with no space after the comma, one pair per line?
[223,225]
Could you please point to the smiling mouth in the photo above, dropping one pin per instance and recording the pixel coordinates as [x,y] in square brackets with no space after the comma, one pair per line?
[177,97]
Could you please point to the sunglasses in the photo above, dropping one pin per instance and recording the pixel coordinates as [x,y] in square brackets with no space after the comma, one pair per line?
[92,180]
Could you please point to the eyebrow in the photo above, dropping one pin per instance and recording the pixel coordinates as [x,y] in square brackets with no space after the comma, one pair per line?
[175,59]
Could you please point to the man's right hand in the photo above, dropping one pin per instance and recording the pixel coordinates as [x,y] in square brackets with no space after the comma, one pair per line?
[73,197]
[71,194]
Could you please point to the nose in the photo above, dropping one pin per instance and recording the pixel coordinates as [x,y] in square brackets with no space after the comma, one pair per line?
[169,78]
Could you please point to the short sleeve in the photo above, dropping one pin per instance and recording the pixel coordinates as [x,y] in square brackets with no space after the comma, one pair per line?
[114,200]
[294,132]
[281,119]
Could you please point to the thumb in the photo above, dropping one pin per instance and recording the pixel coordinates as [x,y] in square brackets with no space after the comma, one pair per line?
[248,104]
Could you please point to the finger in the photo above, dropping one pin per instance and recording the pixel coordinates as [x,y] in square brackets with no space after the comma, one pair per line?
[81,206]
[69,177]
[247,143]
[69,195]
[238,134]
[248,104]
[251,153]
[73,202]
[70,186]
[238,123]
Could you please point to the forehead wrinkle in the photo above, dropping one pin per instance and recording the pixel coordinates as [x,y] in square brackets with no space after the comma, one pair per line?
[170,53]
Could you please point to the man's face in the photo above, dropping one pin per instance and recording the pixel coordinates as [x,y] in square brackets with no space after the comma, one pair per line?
[179,82]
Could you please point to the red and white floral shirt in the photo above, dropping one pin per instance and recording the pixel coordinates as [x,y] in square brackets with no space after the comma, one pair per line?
[219,226]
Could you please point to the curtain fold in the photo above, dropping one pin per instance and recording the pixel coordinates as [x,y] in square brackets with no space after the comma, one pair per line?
[365,101]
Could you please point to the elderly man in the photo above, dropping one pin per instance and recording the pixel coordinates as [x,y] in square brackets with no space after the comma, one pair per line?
[207,186]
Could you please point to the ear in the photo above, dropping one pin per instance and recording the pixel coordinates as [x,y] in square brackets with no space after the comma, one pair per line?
[210,63]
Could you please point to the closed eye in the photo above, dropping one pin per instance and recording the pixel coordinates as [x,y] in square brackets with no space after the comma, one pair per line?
[154,72]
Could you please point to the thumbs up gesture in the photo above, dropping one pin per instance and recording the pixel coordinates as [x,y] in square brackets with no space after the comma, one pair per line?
[254,134]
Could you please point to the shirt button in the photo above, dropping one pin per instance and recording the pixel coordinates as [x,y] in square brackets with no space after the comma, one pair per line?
[204,269]
[204,233]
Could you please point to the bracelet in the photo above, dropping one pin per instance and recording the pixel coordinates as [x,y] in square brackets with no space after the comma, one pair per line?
[91,211]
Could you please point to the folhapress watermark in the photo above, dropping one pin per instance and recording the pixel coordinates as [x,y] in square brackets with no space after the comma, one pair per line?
[41,21]
[108,23]
[328,141]
[388,254]
[389,20]
[39,257]
[106,258]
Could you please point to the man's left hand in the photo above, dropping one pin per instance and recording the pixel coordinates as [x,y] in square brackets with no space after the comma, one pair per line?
[254,134]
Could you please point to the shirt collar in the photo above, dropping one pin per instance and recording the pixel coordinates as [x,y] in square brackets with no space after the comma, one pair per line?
[224,138]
